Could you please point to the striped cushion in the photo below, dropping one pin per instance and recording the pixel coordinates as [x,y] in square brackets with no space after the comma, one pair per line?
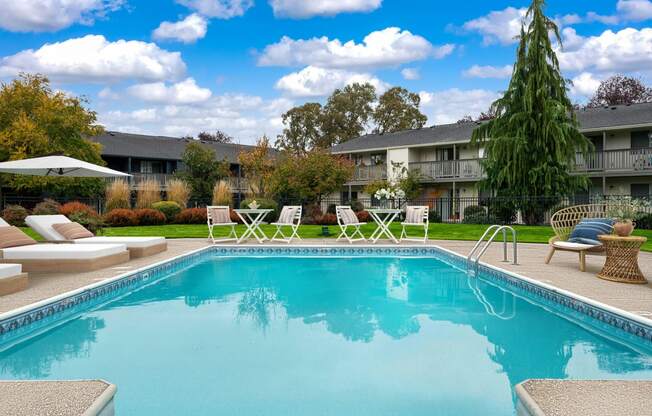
[287,215]
[588,230]
[220,215]
[14,237]
[72,230]
[414,215]
[348,216]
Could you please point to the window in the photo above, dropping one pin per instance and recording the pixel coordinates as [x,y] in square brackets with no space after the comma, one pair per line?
[357,160]
[640,190]
[641,139]
[377,159]
[151,166]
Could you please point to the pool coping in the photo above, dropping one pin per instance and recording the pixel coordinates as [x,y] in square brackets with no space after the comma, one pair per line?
[13,320]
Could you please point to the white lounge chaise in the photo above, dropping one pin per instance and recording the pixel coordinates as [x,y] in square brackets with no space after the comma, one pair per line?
[12,279]
[137,246]
[18,247]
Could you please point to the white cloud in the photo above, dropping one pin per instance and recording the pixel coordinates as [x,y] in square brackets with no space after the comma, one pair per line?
[184,92]
[188,30]
[410,73]
[604,19]
[488,71]
[92,58]
[500,26]
[387,47]
[627,50]
[302,9]
[244,117]
[585,84]
[319,82]
[107,93]
[52,15]
[221,9]
[635,10]
[450,105]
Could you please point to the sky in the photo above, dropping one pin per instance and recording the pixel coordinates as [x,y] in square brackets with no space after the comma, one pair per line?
[178,67]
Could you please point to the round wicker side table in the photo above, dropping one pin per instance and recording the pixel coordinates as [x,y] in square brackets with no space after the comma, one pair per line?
[621,264]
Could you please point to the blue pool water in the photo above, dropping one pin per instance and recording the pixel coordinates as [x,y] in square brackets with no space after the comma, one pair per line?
[321,336]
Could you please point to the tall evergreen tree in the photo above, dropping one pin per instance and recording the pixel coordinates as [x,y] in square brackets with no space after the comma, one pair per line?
[530,146]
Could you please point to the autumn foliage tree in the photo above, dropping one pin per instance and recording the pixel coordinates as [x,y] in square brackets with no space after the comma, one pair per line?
[37,121]
[258,165]
[620,90]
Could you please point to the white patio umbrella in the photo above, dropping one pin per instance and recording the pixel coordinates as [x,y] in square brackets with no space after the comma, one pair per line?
[58,166]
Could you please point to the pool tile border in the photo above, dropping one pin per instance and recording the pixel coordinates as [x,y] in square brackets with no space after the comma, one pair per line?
[25,321]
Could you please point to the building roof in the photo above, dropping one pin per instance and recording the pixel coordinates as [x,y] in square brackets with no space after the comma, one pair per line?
[159,147]
[589,119]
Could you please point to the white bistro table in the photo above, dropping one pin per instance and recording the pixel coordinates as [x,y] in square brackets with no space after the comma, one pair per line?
[384,218]
[252,218]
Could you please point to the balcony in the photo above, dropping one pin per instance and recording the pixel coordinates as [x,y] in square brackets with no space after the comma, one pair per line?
[369,173]
[625,161]
[164,178]
[448,170]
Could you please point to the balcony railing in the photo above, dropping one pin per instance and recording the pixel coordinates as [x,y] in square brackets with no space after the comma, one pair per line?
[164,178]
[370,173]
[463,169]
[626,160]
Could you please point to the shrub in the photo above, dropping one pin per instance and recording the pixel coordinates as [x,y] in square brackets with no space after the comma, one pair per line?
[331,209]
[312,215]
[264,203]
[474,210]
[47,207]
[121,217]
[222,194]
[148,216]
[15,215]
[118,195]
[328,219]
[148,192]
[503,211]
[363,216]
[478,218]
[179,191]
[644,222]
[191,216]
[357,206]
[83,214]
[169,208]
[434,216]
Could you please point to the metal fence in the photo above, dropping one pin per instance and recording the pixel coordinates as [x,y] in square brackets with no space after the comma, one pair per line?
[482,210]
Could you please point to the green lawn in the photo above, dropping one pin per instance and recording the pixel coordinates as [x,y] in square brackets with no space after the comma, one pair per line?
[526,234]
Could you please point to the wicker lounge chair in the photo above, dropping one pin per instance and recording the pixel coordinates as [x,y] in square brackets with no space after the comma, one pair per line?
[564,221]
[48,226]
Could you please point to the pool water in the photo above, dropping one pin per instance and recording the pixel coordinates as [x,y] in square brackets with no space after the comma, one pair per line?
[321,336]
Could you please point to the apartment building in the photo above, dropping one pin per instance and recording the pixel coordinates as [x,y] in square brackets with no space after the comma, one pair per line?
[621,163]
[159,157]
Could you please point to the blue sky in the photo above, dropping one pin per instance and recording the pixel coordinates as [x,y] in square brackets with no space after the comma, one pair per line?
[177,67]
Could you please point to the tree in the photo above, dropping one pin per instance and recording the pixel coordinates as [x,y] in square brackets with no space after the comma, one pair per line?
[620,90]
[398,109]
[258,165]
[302,129]
[218,137]
[201,169]
[531,145]
[310,176]
[36,121]
[347,113]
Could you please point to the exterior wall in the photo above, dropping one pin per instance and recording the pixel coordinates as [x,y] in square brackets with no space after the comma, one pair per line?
[622,186]
[618,140]
[468,152]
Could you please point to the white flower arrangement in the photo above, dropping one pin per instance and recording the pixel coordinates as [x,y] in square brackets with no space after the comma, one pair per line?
[389,193]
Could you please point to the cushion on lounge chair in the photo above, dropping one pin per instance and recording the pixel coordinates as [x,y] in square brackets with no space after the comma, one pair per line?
[130,242]
[414,215]
[62,251]
[567,245]
[588,230]
[14,237]
[10,270]
[42,224]
[287,215]
[72,230]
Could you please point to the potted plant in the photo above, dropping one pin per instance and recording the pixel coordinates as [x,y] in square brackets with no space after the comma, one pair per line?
[624,214]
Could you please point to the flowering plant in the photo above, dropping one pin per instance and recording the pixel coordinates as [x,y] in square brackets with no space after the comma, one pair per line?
[253,204]
[391,192]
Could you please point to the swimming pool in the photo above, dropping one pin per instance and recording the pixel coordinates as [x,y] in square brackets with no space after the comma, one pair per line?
[369,333]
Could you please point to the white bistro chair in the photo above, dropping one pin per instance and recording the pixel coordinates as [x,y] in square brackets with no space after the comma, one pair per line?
[220,216]
[290,217]
[415,216]
[347,220]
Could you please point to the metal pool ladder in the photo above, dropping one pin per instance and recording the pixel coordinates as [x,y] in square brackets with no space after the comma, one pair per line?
[498,228]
